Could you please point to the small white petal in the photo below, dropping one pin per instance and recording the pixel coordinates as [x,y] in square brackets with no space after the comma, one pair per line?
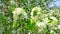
[41,24]
[58,26]
[53,18]
[28,32]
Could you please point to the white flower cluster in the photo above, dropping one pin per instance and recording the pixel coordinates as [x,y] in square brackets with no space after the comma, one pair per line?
[37,9]
[41,24]
[17,12]
[53,18]
[46,20]
[58,26]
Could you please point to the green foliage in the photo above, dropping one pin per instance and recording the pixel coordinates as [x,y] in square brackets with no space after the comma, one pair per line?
[30,16]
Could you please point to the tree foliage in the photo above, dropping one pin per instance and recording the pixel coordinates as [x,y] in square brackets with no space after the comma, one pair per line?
[29,17]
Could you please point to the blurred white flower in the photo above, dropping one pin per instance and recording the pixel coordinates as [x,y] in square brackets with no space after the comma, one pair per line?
[58,26]
[53,18]
[41,24]
[13,31]
[46,20]
[17,12]
[40,29]
[24,14]
[28,32]
[12,2]
[37,9]
[51,31]
[50,12]
[55,28]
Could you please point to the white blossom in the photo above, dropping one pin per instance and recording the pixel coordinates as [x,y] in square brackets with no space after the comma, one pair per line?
[50,12]
[46,20]
[24,15]
[28,32]
[54,18]
[41,24]
[58,26]
[13,31]
[38,9]
[40,29]
[17,12]
[51,31]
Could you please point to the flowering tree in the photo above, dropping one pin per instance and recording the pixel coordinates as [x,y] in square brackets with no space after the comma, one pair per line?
[29,17]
